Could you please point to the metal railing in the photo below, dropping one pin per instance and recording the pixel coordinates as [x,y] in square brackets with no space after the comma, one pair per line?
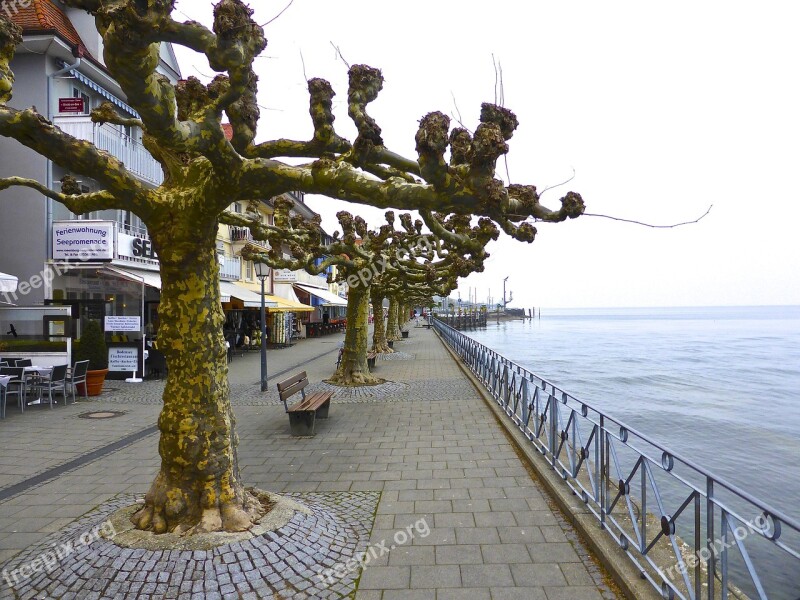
[230,267]
[691,534]
[107,137]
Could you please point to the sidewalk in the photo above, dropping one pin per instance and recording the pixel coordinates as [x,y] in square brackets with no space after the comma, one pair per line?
[457,515]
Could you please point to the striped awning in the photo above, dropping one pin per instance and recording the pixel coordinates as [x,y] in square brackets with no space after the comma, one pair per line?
[103,92]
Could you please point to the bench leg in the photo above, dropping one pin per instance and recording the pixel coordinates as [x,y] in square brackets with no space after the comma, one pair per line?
[322,411]
[302,423]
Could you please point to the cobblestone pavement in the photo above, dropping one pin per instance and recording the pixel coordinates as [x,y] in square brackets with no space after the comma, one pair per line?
[306,558]
[426,446]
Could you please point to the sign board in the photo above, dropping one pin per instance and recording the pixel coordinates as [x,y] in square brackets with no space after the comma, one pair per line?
[121,323]
[123,359]
[136,248]
[83,240]
[284,276]
[71,105]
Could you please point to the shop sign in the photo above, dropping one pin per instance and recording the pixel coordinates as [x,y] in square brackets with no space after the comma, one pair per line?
[140,249]
[284,276]
[70,105]
[123,323]
[83,240]
[123,359]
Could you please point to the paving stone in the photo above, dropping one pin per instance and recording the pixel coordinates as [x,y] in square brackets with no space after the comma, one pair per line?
[422,446]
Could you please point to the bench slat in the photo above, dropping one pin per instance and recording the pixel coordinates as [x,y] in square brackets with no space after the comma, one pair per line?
[312,402]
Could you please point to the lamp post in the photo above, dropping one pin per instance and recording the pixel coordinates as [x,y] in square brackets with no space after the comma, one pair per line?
[262,272]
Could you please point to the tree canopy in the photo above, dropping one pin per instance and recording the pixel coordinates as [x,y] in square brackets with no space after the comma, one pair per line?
[198,487]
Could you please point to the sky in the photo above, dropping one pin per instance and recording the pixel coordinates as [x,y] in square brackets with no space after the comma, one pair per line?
[656,112]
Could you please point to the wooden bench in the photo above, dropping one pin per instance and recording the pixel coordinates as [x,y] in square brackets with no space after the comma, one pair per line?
[302,414]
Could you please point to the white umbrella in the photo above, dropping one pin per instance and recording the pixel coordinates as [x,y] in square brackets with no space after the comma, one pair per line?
[8,283]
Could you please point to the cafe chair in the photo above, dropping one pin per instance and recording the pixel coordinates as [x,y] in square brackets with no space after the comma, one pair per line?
[23,362]
[15,387]
[57,380]
[78,375]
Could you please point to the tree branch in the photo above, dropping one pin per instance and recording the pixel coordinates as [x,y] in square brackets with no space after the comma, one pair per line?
[708,210]
[79,156]
[77,203]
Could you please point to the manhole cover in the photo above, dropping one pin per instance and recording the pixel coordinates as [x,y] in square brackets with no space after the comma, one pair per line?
[101,414]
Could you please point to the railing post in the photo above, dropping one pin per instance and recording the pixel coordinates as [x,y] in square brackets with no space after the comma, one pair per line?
[553,426]
[603,476]
[712,559]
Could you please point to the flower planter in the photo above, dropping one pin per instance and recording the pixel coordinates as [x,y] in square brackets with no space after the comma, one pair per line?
[404,334]
[390,343]
[94,382]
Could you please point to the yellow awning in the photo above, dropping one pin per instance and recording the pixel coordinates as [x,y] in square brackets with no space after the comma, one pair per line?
[285,305]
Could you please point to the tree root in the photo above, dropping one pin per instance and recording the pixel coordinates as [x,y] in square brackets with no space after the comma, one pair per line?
[381,348]
[168,511]
[354,378]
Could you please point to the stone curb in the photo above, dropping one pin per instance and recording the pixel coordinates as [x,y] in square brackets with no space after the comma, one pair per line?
[608,553]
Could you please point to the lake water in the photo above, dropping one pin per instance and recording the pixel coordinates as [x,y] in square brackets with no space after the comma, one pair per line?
[721,386]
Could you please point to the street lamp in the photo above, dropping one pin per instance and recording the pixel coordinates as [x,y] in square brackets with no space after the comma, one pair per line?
[262,272]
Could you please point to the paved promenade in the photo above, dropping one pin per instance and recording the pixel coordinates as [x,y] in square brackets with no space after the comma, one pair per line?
[456,513]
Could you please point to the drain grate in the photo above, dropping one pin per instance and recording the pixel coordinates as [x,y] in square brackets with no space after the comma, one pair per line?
[101,414]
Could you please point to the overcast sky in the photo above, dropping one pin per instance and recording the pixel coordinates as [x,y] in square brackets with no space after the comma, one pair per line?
[661,110]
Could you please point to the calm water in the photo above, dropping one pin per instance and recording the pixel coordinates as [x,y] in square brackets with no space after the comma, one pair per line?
[718,385]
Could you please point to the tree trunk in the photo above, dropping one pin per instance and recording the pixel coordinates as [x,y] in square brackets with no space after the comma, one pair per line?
[392,326]
[353,369]
[198,488]
[379,344]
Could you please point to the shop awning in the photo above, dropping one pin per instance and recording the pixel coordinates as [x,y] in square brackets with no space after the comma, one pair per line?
[150,278]
[8,283]
[250,298]
[324,295]
[284,305]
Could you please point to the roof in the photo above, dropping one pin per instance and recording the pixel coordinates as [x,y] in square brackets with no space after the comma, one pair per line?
[44,16]
[227,129]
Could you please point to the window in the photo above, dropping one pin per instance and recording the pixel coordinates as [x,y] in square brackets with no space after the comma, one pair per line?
[237,207]
[248,270]
[76,93]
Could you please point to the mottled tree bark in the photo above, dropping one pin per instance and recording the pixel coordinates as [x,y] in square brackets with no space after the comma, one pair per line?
[379,344]
[392,325]
[197,488]
[353,369]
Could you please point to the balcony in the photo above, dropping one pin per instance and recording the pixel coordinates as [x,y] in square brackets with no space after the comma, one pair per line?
[243,236]
[319,281]
[230,267]
[106,137]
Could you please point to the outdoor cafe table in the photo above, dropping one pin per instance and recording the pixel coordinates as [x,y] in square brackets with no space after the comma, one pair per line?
[44,371]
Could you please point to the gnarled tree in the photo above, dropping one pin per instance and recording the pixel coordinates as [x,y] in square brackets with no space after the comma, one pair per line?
[198,487]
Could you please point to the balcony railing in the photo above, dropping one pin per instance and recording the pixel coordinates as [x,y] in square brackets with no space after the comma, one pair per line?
[241,234]
[691,534]
[230,267]
[312,280]
[106,137]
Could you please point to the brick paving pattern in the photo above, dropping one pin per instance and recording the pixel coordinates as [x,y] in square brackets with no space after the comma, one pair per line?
[430,448]
[290,562]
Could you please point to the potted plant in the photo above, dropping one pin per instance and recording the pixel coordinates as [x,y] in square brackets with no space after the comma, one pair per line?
[404,330]
[92,347]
